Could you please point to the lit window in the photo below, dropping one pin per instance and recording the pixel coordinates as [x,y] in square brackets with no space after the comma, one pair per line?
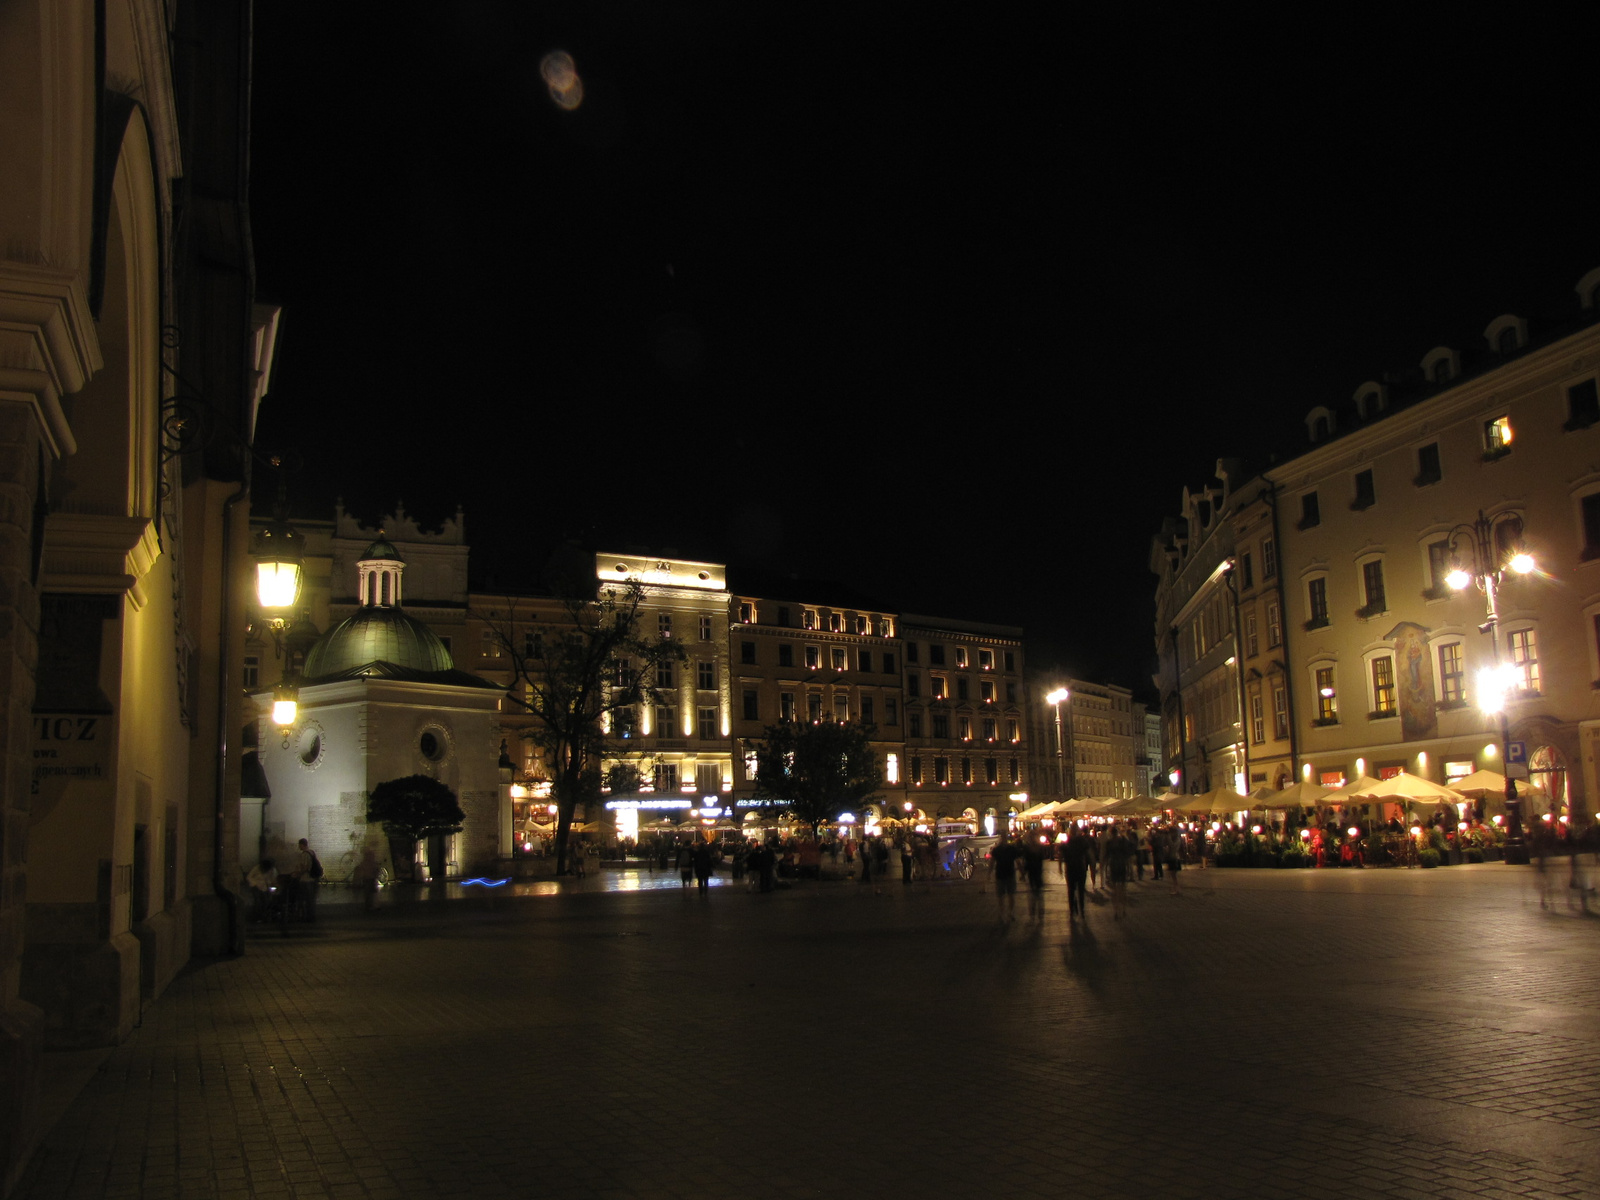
[986,690]
[961,656]
[664,674]
[708,724]
[813,657]
[834,622]
[1383,702]
[664,624]
[891,768]
[665,777]
[985,660]
[988,729]
[938,686]
[814,707]
[746,614]
[1327,696]
[1011,729]
[1317,602]
[706,675]
[1452,675]
[1497,437]
[1525,658]
[666,718]
[964,728]
[838,658]
[841,709]
[808,619]
[705,629]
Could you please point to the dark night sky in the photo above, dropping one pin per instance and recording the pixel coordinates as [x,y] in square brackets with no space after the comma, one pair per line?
[943,302]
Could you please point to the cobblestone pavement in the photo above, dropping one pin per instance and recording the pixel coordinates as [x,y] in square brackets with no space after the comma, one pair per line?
[1265,1034]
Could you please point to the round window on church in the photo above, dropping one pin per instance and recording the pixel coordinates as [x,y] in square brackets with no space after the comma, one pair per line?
[310,746]
[433,744]
[311,750]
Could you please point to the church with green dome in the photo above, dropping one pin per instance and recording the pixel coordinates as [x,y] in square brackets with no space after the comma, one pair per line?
[380,698]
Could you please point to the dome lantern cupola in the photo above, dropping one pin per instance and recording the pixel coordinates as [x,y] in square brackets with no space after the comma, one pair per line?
[379,570]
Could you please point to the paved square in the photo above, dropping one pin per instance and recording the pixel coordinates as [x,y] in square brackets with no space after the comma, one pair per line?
[1266,1034]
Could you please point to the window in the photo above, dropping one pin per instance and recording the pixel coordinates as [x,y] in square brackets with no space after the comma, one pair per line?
[664,674]
[916,769]
[746,614]
[1310,513]
[891,711]
[841,709]
[1258,719]
[941,725]
[1011,660]
[1428,468]
[888,662]
[1365,496]
[1383,703]
[986,690]
[624,676]
[813,657]
[708,724]
[1497,437]
[491,645]
[989,729]
[866,710]
[1591,527]
[991,771]
[1327,696]
[1011,729]
[814,707]
[752,705]
[838,657]
[1452,675]
[785,654]
[665,777]
[783,615]
[961,657]
[985,660]
[911,652]
[966,770]
[935,654]
[1317,602]
[860,624]
[1011,692]
[1372,588]
[914,724]
[707,778]
[937,686]
[941,770]
[913,685]
[705,675]
[1438,569]
[664,624]
[705,629]
[808,619]
[622,722]
[747,652]
[863,660]
[786,706]
[1280,711]
[666,721]
[1525,658]
[1269,558]
[1583,405]
[252,672]
[833,622]
[1247,576]
[1252,646]
[964,728]
[1016,772]
[961,688]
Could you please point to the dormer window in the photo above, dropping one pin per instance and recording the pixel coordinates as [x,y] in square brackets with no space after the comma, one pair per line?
[1319,424]
[1441,365]
[1506,334]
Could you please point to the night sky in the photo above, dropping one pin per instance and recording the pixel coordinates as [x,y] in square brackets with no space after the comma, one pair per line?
[945,301]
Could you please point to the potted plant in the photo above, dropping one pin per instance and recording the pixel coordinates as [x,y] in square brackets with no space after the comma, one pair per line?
[411,809]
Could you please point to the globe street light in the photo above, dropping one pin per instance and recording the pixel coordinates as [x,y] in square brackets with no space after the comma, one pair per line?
[1485,564]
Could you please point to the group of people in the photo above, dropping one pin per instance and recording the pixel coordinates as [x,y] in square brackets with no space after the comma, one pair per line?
[290,892]
[1111,854]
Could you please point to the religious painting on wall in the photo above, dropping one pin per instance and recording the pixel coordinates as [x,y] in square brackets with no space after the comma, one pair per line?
[1414,682]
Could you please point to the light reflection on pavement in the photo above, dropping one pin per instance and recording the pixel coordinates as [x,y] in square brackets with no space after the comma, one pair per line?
[599,881]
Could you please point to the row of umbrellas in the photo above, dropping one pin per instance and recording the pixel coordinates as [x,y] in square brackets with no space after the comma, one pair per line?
[1400,787]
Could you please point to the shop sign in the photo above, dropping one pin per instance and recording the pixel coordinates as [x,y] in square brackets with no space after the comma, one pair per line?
[614,805]
[69,746]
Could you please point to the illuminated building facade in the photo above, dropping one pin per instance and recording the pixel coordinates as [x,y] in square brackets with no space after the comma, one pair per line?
[1343,596]
[1095,748]
[127,320]
[800,660]
[966,731]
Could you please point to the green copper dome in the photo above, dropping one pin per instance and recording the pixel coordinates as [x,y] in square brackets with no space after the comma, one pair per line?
[382,548]
[373,636]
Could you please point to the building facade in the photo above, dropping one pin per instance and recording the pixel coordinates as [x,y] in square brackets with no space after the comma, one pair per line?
[1351,638]
[127,326]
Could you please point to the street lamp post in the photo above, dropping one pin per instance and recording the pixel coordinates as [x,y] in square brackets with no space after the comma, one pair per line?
[1055,699]
[1494,685]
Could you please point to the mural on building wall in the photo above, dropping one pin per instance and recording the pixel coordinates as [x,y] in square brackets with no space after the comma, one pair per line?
[1414,682]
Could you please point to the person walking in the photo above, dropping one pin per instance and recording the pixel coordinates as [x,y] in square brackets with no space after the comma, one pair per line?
[1075,860]
[1119,849]
[1033,866]
[307,874]
[1172,851]
[1158,846]
[1003,860]
[907,858]
[702,865]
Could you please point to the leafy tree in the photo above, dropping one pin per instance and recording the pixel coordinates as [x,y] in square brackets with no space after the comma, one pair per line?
[578,682]
[818,770]
[413,808]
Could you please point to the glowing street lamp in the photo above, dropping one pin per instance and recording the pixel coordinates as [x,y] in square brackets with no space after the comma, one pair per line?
[1055,699]
[1477,557]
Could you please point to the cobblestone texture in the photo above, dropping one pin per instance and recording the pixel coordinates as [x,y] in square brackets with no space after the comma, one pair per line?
[1266,1034]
